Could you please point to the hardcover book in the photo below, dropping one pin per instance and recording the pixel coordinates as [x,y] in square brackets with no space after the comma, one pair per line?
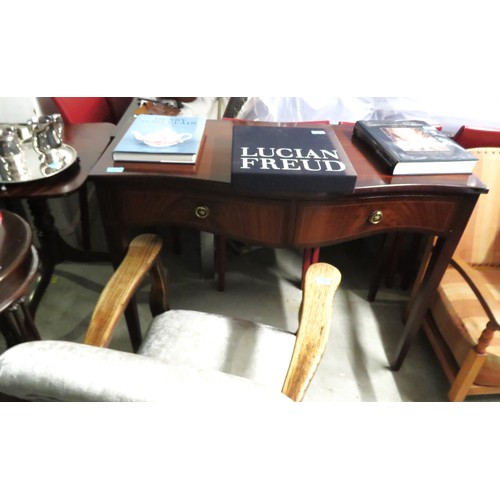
[161,139]
[414,147]
[290,158]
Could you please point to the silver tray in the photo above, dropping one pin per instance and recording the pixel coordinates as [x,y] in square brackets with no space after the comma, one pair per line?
[37,169]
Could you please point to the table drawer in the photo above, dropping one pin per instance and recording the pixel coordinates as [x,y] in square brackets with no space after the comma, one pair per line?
[248,220]
[320,223]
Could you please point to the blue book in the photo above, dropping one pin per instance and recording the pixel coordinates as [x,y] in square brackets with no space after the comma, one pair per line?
[161,139]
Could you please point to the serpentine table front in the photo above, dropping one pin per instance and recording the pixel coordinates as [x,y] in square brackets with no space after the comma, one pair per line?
[135,196]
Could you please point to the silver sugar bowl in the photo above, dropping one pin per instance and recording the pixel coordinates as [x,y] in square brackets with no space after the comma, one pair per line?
[12,161]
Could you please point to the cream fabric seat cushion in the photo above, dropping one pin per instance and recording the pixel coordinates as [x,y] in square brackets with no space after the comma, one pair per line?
[218,343]
[65,371]
[461,320]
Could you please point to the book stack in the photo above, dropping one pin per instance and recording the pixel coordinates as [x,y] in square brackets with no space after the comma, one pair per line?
[414,147]
[161,139]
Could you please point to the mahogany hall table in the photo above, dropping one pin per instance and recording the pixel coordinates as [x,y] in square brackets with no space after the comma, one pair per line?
[135,196]
[89,140]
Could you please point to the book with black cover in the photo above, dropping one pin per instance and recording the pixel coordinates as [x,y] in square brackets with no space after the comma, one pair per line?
[413,147]
[161,139]
[290,158]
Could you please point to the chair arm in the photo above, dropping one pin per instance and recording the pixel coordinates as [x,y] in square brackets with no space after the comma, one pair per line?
[321,283]
[142,254]
[479,286]
[55,370]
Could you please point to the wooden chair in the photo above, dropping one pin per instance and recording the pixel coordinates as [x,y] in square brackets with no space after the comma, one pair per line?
[475,137]
[186,353]
[463,324]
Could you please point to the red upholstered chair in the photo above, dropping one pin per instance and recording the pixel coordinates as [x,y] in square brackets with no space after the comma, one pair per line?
[92,109]
[85,109]
[473,137]
[463,324]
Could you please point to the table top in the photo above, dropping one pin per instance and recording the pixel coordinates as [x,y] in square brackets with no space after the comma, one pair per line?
[214,167]
[89,141]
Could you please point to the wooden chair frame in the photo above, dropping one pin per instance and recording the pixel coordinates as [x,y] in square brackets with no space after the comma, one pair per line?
[462,378]
[143,257]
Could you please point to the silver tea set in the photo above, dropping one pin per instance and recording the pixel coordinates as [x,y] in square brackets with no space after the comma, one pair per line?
[42,135]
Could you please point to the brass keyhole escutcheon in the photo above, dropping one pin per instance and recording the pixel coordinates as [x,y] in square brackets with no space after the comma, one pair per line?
[375,217]
[202,212]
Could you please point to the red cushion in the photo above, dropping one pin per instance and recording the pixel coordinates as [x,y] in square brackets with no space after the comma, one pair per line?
[470,137]
[84,109]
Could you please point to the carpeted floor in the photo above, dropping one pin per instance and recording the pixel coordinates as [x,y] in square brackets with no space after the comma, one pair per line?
[263,284]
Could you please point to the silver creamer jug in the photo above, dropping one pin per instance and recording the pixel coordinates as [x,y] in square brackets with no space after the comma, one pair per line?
[47,134]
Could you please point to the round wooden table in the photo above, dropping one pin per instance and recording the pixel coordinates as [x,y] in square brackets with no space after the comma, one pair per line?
[18,271]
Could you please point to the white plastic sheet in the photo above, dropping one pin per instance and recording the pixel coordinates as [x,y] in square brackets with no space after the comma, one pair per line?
[449,112]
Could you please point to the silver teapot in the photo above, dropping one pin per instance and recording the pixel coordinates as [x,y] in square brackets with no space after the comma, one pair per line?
[47,136]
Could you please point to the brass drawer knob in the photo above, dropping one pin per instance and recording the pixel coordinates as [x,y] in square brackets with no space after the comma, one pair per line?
[375,217]
[202,212]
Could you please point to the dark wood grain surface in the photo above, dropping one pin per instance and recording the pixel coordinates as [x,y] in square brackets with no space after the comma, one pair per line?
[89,140]
[147,194]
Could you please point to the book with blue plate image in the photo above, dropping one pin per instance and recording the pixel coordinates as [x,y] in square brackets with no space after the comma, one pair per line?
[161,139]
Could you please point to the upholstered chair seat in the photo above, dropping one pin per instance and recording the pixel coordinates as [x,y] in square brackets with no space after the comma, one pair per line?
[219,343]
